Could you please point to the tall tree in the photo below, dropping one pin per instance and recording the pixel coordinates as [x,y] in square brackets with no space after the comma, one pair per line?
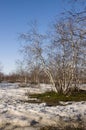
[61,54]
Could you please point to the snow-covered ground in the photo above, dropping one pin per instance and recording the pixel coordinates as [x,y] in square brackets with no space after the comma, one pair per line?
[18,115]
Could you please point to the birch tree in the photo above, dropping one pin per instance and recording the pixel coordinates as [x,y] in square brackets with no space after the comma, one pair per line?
[61,55]
[69,39]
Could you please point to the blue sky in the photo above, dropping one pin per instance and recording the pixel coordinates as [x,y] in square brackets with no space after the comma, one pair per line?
[14,18]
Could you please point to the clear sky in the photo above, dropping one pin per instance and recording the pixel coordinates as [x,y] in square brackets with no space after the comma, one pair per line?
[14,18]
